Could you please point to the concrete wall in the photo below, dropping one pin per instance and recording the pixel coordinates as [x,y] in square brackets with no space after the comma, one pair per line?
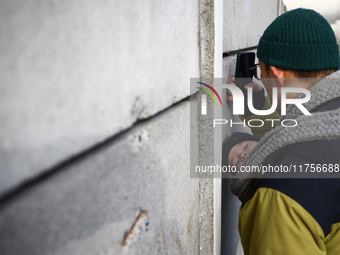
[95,128]
[74,73]
[88,206]
[245,22]
[91,103]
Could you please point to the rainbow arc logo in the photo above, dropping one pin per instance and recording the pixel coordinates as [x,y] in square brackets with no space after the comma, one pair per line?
[209,93]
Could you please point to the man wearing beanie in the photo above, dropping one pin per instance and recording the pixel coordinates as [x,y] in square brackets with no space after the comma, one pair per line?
[296,216]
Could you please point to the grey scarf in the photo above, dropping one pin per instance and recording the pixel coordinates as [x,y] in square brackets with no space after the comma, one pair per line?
[319,125]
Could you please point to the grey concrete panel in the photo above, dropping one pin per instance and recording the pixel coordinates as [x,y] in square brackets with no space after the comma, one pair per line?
[90,205]
[207,38]
[245,21]
[205,135]
[74,73]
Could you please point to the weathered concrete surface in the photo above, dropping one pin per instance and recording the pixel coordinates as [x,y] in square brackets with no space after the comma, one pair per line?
[245,21]
[87,207]
[204,133]
[74,73]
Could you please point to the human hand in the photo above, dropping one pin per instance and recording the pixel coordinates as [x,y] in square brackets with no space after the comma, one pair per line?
[256,88]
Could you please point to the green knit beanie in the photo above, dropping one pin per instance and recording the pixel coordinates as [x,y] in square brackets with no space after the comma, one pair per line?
[299,39]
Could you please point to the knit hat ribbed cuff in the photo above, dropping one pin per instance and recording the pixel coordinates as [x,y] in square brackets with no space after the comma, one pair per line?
[299,57]
[231,141]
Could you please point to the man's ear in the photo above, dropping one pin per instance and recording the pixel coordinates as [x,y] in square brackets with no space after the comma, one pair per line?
[279,73]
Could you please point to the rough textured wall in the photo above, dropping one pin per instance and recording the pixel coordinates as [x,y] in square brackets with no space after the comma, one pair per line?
[95,127]
[74,73]
[205,139]
[245,21]
[88,206]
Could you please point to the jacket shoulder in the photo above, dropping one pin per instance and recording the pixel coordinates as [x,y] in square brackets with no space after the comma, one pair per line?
[319,197]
